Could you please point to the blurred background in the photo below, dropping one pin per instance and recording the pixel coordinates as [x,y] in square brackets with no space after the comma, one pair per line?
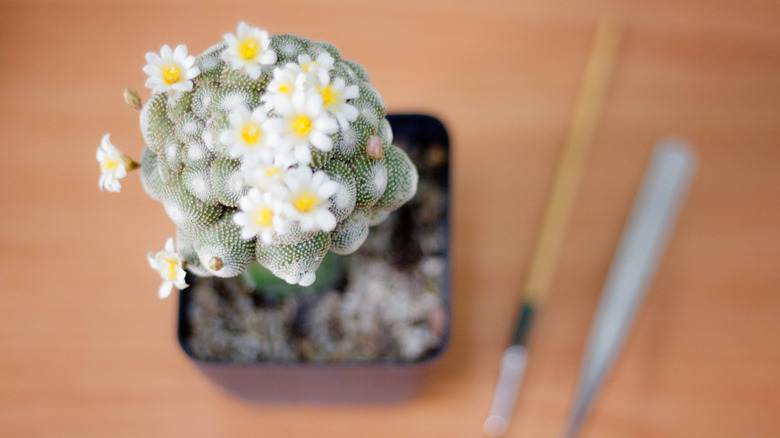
[87,349]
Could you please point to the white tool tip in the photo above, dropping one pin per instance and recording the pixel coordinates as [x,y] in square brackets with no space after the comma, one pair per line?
[495,426]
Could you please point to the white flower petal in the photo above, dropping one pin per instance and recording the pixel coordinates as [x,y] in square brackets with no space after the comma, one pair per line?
[238,116]
[299,100]
[303,154]
[253,70]
[325,60]
[227,137]
[259,114]
[188,63]
[166,52]
[152,262]
[236,63]
[328,189]
[182,86]
[313,104]
[180,53]
[230,39]
[321,141]
[120,172]
[247,233]
[276,126]
[307,223]
[268,57]
[326,220]
[153,59]
[193,72]
[283,105]
[243,29]
[350,112]
[165,289]
[282,226]
[265,155]
[351,92]
[326,124]
[343,123]
[292,181]
[318,178]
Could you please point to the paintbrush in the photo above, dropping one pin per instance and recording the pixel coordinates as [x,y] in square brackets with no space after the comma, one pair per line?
[582,127]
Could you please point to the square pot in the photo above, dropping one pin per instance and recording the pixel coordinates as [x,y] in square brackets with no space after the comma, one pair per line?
[426,141]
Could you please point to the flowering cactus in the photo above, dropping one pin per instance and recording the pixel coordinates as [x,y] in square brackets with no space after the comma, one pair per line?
[267,148]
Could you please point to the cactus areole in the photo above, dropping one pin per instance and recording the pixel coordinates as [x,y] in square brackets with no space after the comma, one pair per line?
[264,148]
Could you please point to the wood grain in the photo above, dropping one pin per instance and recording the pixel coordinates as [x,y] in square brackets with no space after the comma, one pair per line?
[87,350]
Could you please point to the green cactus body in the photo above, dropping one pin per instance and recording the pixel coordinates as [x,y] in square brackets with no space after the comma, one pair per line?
[190,166]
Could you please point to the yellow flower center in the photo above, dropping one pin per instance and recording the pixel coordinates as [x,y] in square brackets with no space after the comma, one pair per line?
[247,48]
[263,217]
[285,88]
[305,66]
[306,201]
[171,74]
[251,133]
[301,125]
[271,171]
[329,96]
[107,164]
[171,271]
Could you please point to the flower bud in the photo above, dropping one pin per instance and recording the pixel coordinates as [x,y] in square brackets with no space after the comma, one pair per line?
[374,148]
[132,98]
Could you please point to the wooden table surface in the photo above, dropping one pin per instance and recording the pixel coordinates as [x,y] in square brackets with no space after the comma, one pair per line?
[88,350]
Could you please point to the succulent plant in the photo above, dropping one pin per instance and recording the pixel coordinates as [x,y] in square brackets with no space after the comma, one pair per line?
[266,148]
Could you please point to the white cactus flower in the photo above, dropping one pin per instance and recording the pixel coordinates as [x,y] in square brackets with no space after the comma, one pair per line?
[248,50]
[169,264]
[260,215]
[171,70]
[264,175]
[308,199]
[318,68]
[113,165]
[303,123]
[334,100]
[286,81]
[248,136]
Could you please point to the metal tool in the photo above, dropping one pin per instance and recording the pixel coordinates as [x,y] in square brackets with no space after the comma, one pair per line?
[644,238]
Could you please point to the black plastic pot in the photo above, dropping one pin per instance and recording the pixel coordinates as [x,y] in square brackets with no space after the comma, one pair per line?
[348,382]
